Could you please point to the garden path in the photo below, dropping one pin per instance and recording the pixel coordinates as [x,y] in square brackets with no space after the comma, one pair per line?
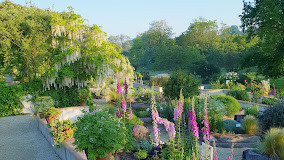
[21,140]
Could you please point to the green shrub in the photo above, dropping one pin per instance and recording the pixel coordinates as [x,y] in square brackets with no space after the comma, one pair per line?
[179,80]
[250,125]
[273,143]
[272,117]
[143,114]
[141,108]
[63,97]
[230,126]
[217,85]
[269,101]
[42,104]
[10,100]
[166,109]
[252,110]
[158,81]
[141,154]
[100,133]
[143,144]
[236,86]
[239,94]
[231,104]
[135,121]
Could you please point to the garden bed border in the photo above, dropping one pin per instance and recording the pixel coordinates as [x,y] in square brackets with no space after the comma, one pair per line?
[66,150]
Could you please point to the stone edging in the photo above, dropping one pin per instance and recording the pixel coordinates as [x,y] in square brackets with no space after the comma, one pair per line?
[66,150]
[260,105]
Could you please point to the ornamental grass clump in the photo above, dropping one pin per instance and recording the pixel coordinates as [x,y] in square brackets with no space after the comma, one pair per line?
[252,110]
[273,143]
[250,125]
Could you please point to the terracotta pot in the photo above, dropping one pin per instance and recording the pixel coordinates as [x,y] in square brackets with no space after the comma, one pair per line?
[83,103]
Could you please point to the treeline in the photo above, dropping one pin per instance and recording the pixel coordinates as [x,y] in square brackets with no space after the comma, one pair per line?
[203,49]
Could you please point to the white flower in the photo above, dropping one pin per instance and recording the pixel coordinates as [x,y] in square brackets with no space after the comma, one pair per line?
[148,109]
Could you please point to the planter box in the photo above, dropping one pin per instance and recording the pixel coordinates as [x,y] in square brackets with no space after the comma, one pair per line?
[66,150]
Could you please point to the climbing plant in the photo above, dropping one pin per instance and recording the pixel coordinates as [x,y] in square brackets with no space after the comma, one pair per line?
[82,52]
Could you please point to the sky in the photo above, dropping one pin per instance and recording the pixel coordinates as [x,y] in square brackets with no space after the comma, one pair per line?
[131,17]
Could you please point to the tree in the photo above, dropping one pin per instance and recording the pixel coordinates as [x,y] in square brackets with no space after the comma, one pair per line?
[264,19]
[144,48]
[121,41]
[82,52]
[25,42]
[234,29]
[202,34]
[180,80]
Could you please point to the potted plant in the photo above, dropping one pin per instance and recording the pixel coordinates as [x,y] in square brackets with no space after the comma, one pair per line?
[61,130]
[51,113]
[99,134]
[42,104]
[83,95]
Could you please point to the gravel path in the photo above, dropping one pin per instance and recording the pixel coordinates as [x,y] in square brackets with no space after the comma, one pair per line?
[21,140]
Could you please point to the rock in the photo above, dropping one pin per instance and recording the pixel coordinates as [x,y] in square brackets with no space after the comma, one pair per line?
[252,155]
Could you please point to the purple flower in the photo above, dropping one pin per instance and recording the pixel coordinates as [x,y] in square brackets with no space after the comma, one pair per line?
[175,114]
[259,84]
[124,106]
[251,84]
[193,122]
[245,81]
[118,88]
[205,129]
[126,88]
[118,114]
[85,128]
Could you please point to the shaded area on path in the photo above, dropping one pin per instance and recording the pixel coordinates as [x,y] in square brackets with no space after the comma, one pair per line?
[21,140]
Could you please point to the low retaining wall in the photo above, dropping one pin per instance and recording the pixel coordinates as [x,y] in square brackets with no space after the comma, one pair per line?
[66,150]
[72,113]
[261,107]
[213,91]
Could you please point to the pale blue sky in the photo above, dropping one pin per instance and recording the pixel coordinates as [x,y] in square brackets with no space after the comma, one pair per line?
[131,17]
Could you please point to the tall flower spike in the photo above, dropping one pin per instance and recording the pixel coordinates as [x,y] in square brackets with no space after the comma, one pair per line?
[130,113]
[193,123]
[118,88]
[206,123]
[126,88]
[124,106]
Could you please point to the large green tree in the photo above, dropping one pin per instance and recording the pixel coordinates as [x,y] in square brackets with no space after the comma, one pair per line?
[25,39]
[144,49]
[265,19]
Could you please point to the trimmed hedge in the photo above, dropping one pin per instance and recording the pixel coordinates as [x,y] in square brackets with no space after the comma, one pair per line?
[10,100]
[239,94]
[231,104]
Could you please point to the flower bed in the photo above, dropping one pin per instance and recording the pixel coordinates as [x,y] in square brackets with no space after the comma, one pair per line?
[66,150]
